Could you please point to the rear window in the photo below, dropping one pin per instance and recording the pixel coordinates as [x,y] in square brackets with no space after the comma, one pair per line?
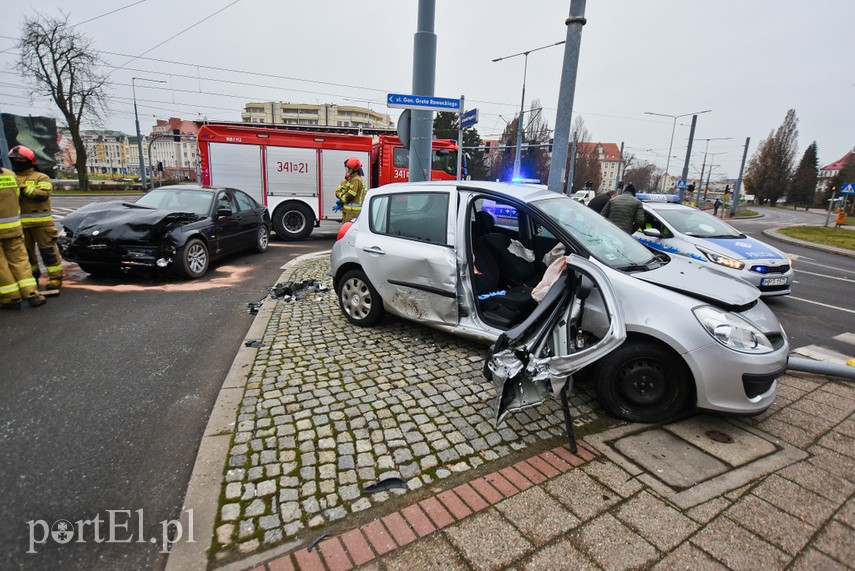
[421,216]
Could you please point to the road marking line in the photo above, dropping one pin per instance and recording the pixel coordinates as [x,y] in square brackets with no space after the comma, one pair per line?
[823,304]
[828,267]
[846,338]
[825,276]
[822,354]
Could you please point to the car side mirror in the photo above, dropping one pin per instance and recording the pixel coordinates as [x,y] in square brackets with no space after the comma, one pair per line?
[223,212]
[652,232]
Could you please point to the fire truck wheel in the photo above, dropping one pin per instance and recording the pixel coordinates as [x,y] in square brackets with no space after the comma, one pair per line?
[293,221]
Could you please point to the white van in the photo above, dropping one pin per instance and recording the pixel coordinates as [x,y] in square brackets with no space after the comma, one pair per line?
[583,196]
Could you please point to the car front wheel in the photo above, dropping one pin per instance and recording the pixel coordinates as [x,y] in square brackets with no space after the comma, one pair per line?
[641,381]
[359,301]
[194,259]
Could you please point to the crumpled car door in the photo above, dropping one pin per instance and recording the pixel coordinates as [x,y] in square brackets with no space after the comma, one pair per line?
[536,358]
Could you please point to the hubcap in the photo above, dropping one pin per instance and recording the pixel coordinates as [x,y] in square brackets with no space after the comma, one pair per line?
[196,258]
[294,221]
[356,298]
[263,238]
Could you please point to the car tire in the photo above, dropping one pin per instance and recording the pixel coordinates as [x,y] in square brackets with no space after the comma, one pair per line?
[194,259]
[642,381]
[359,301]
[293,221]
[262,238]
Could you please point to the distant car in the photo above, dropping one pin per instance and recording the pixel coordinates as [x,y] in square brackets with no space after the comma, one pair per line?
[583,196]
[658,333]
[687,231]
[185,227]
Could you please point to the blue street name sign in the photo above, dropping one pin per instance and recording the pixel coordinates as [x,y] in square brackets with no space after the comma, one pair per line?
[422,102]
[848,188]
[469,118]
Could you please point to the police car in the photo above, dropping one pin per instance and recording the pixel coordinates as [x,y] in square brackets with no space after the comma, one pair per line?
[677,229]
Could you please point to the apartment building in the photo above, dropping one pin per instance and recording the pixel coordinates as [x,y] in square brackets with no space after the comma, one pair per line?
[305,114]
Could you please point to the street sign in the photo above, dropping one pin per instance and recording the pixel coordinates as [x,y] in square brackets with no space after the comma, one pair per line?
[422,102]
[681,184]
[848,188]
[469,118]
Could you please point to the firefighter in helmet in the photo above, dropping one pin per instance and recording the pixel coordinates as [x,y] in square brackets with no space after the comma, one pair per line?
[16,278]
[39,230]
[351,192]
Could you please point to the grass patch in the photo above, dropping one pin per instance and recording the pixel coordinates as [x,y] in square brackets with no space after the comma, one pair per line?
[745,212]
[821,235]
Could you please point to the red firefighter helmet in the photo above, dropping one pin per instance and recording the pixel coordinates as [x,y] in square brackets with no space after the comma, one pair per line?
[22,153]
[353,164]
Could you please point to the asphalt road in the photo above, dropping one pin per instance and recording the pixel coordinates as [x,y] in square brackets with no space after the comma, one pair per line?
[822,303]
[104,395]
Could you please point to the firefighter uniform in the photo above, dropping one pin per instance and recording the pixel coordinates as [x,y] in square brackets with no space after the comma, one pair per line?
[16,278]
[351,192]
[39,230]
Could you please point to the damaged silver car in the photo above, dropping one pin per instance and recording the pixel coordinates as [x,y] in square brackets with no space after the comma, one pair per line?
[557,288]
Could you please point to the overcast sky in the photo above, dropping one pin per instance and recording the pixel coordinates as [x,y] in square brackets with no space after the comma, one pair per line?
[749,61]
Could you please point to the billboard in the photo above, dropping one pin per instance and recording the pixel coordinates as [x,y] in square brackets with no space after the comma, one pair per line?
[37,133]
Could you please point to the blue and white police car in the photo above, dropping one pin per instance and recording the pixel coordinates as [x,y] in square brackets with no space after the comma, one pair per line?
[677,229]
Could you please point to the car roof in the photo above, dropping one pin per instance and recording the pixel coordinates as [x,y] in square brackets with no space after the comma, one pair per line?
[523,192]
[669,206]
[188,187]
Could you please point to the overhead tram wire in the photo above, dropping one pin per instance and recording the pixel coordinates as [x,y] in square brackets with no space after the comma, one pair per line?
[108,13]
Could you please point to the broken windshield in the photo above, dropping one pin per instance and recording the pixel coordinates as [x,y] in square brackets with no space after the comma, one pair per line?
[605,241]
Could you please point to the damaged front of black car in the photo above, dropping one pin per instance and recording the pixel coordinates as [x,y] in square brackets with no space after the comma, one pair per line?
[105,237]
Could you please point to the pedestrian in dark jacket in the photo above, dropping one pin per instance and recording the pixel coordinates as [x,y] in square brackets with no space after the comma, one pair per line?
[625,211]
[599,202]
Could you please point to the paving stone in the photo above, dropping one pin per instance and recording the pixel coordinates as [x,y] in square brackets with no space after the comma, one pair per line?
[775,525]
[795,500]
[559,555]
[836,541]
[656,521]
[538,516]
[613,545]
[688,557]
[581,494]
[230,512]
[738,548]
[487,541]
[813,560]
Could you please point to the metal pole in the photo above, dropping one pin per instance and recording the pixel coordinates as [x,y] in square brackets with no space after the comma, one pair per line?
[424,77]
[685,174]
[738,186]
[830,205]
[821,368]
[703,166]
[139,136]
[572,167]
[619,167]
[668,160]
[566,94]
[520,127]
[460,139]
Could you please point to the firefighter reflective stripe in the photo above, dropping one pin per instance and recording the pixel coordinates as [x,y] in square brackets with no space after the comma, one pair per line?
[8,181]
[28,282]
[33,218]
[11,288]
[10,222]
[44,186]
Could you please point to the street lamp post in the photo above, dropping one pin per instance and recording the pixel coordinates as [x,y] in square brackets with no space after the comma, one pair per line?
[137,119]
[518,154]
[673,128]
[704,164]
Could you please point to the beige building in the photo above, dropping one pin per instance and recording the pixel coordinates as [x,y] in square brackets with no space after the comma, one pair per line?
[304,114]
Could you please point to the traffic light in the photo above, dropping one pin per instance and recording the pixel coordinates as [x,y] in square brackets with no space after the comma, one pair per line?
[176,135]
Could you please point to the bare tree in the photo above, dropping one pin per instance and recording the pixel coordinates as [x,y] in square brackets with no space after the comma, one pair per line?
[59,62]
[587,166]
[771,168]
[641,175]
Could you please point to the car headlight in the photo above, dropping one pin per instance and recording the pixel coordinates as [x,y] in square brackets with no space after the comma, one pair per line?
[732,331]
[722,260]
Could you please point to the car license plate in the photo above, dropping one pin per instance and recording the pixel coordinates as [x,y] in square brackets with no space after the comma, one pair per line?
[773,281]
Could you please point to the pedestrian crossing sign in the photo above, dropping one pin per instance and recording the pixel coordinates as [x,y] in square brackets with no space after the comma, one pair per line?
[848,188]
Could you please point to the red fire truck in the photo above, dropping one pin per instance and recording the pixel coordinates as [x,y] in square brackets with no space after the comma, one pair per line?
[295,173]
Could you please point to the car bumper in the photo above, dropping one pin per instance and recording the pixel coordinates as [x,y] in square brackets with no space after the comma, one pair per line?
[737,383]
[120,255]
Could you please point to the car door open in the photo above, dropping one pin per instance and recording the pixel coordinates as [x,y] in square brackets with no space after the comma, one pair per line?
[538,357]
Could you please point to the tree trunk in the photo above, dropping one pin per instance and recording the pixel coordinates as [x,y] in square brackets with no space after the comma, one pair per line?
[80,152]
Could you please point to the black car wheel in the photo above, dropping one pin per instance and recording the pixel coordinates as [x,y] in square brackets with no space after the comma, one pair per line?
[642,381]
[293,221]
[262,239]
[359,301]
[194,259]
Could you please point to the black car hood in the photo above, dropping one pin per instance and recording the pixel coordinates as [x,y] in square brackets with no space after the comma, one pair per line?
[702,282]
[123,221]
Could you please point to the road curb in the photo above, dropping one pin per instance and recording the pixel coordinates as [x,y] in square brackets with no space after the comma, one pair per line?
[204,487]
[775,235]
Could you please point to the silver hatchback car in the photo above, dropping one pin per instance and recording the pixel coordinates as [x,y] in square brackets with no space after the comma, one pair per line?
[655,332]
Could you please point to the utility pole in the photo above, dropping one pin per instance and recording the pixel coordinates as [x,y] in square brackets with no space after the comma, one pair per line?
[738,187]
[424,79]
[566,93]
[619,167]
[688,155]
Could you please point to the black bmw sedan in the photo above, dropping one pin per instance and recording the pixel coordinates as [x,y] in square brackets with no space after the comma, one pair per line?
[181,227]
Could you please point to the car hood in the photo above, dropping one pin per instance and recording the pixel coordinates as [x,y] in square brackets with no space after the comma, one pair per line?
[699,280]
[123,221]
[740,248]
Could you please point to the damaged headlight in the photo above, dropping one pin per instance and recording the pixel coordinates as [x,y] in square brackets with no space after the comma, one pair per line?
[721,260]
[732,331]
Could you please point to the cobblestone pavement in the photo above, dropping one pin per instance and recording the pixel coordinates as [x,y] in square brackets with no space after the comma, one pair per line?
[330,409]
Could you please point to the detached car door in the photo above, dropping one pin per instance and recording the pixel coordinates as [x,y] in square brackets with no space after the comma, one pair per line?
[537,358]
[407,255]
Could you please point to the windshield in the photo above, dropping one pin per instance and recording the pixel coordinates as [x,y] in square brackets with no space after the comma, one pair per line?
[178,200]
[698,224]
[605,241]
